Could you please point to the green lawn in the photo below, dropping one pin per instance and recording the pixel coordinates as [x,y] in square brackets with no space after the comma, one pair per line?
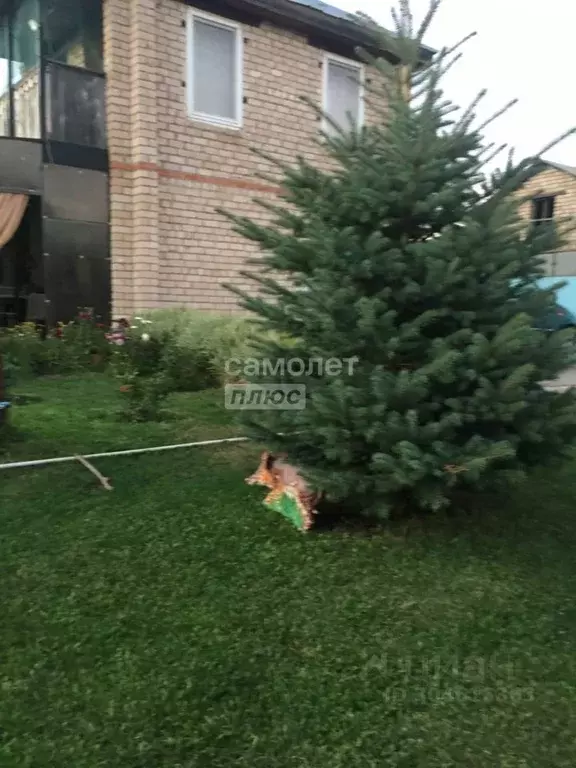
[174,622]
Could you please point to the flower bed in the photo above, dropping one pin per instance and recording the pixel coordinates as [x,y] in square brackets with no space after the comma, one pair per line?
[151,356]
[68,348]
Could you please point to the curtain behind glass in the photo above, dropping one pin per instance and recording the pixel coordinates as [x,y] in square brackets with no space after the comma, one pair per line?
[12,209]
[214,68]
[342,95]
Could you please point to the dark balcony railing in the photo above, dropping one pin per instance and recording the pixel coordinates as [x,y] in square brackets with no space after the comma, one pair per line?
[75,105]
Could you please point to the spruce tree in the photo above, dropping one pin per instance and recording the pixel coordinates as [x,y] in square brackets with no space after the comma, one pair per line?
[410,257]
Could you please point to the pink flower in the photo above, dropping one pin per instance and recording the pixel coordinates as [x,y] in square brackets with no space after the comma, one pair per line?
[116,337]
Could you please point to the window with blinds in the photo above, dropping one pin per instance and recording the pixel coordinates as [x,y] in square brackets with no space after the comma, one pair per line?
[214,70]
[343,98]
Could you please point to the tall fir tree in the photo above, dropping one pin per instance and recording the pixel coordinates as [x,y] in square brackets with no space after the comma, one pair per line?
[412,259]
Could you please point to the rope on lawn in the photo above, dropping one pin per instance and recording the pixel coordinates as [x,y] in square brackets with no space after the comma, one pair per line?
[130,452]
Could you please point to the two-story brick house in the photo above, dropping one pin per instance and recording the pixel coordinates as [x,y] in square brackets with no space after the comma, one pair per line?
[552,193]
[124,124]
[206,82]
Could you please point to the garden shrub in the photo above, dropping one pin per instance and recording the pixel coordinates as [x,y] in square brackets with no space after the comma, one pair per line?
[213,339]
[30,354]
[71,347]
[195,349]
[210,338]
[138,364]
[9,372]
[84,343]
[189,369]
[150,364]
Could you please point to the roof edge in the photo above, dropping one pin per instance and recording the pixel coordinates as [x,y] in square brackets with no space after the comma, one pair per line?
[569,169]
[346,29]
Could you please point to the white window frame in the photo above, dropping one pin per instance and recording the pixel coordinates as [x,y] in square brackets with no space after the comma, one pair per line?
[237,29]
[360,69]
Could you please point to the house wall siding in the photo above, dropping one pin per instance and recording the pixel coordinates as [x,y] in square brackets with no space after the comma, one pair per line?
[553,182]
[169,173]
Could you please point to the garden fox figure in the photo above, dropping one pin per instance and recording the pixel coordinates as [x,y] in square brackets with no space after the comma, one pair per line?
[284,481]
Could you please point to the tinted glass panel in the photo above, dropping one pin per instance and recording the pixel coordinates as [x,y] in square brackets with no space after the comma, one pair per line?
[72,32]
[25,69]
[4,79]
[77,268]
[75,106]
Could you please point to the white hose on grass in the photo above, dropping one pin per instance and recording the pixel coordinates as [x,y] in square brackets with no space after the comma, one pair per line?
[130,452]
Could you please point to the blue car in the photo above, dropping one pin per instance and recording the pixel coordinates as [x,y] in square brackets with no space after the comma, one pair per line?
[557,320]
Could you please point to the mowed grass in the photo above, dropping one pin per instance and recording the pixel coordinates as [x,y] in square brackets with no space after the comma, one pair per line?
[174,622]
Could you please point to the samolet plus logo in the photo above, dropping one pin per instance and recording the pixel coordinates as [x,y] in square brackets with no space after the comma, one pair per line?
[265,397]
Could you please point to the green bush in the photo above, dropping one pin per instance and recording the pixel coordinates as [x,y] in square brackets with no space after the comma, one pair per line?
[84,343]
[9,371]
[138,364]
[150,364]
[196,346]
[212,339]
[75,346]
[189,369]
[30,355]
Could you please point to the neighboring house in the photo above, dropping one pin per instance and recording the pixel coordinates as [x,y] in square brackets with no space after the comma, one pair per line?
[127,122]
[552,189]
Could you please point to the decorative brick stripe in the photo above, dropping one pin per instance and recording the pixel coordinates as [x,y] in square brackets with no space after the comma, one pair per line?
[220,181]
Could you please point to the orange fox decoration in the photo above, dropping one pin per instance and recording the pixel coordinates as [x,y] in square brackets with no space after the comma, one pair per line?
[289,492]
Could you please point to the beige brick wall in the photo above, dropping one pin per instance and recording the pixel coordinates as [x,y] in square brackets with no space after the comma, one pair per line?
[169,173]
[553,182]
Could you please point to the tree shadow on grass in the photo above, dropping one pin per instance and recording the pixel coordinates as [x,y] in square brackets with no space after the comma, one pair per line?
[535,523]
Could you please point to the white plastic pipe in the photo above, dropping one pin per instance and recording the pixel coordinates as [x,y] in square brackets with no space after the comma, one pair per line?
[130,452]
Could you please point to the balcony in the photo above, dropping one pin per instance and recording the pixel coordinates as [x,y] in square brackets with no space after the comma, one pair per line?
[51,82]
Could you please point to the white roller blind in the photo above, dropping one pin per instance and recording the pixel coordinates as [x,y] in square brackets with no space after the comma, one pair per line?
[215,76]
[342,97]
